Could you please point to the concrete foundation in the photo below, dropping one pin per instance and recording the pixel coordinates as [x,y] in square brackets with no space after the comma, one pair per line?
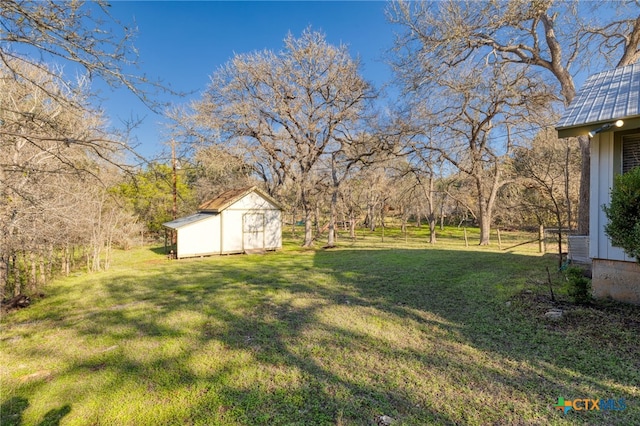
[616,280]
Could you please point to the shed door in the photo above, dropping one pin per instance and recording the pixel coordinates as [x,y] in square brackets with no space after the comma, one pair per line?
[253,231]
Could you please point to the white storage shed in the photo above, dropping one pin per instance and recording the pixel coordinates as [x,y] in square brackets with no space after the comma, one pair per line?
[238,221]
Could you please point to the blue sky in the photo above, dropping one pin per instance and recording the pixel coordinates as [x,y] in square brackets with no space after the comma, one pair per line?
[183,43]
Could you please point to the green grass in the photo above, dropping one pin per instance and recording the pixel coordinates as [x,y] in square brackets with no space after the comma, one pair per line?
[427,335]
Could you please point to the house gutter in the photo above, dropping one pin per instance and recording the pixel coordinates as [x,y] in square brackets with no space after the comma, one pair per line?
[583,129]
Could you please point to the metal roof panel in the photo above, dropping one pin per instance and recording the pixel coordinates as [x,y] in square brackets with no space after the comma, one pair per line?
[187,220]
[606,96]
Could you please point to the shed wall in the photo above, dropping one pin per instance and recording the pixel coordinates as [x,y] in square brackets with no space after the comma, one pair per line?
[233,236]
[200,238]
[231,232]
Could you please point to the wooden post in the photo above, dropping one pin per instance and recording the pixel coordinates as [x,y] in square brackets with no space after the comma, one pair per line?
[541,247]
[466,241]
[499,239]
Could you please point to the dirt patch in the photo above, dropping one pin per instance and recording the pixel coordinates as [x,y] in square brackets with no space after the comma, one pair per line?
[38,375]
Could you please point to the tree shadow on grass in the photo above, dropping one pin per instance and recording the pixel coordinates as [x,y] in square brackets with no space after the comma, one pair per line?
[11,412]
[470,290]
[333,337]
[53,417]
[244,315]
[250,322]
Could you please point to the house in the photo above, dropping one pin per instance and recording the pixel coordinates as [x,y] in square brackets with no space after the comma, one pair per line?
[607,110]
[237,221]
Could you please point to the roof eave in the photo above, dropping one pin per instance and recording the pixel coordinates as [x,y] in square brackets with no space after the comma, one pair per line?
[583,129]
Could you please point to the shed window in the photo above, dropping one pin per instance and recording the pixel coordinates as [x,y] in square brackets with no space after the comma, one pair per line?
[630,152]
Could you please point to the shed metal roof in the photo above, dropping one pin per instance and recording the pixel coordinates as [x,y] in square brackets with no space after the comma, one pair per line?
[606,96]
[187,220]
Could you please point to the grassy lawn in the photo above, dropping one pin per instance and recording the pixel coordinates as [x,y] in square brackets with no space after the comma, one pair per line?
[426,335]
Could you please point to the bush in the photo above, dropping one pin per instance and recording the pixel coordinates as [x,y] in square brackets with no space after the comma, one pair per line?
[623,213]
[579,286]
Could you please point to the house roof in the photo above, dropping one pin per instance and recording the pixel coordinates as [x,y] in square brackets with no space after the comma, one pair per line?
[229,197]
[605,97]
[187,220]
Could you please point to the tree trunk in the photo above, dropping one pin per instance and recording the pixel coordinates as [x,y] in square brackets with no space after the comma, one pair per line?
[371,223]
[431,216]
[317,219]
[484,215]
[585,180]
[33,281]
[4,274]
[432,228]
[485,229]
[352,225]
[293,223]
[308,231]
[333,210]
[559,218]
[331,241]
[17,284]
[66,261]
[50,260]
[567,196]
[42,279]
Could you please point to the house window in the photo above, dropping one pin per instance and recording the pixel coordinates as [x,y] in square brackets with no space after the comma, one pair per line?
[630,152]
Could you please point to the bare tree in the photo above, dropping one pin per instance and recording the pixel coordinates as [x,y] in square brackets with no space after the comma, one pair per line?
[353,152]
[540,35]
[52,138]
[469,122]
[52,141]
[426,189]
[217,170]
[79,33]
[550,170]
[286,108]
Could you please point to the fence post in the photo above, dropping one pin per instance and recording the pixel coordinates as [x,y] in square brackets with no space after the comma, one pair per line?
[541,247]
[499,240]
[466,241]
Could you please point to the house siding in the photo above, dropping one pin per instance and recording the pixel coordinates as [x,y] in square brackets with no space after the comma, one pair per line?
[604,99]
[604,166]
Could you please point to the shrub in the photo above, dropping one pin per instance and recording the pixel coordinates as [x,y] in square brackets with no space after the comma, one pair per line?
[623,213]
[578,286]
